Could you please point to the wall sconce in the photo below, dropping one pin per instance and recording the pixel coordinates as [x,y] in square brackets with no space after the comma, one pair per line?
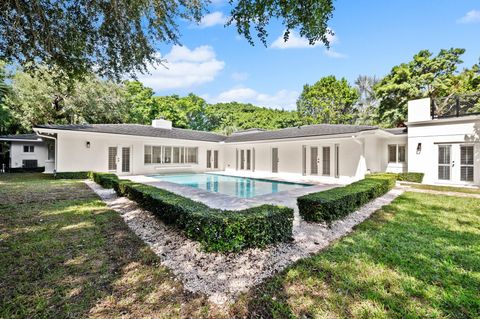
[87,144]
[419,148]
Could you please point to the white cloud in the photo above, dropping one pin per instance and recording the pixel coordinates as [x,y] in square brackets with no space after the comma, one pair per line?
[282,99]
[295,41]
[472,16]
[185,68]
[239,76]
[334,54]
[213,19]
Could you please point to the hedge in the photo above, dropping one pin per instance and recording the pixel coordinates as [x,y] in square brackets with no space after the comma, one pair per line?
[25,169]
[217,230]
[72,175]
[336,203]
[404,177]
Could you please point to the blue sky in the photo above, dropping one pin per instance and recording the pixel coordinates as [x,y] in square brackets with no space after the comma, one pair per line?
[370,37]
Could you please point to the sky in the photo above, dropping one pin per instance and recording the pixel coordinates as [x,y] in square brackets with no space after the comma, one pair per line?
[371,36]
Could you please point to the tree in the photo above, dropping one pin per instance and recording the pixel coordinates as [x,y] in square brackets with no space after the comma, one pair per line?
[113,38]
[367,105]
[425,76]
[142,105]
[328,101]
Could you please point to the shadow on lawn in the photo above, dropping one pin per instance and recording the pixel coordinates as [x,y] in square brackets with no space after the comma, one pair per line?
[417,257]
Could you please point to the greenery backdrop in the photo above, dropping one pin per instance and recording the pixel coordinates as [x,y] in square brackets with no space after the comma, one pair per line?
[39,97]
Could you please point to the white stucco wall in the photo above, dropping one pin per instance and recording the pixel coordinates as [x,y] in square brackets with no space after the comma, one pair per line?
[17,155]
[73,155]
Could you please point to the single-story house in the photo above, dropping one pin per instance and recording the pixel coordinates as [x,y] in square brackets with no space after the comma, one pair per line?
[446,149]
[25,151]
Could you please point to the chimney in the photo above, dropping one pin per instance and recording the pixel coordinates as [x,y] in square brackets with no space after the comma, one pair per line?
[162,123]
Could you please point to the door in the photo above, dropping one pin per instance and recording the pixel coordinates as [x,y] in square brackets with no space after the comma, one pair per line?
[444,162]
[314,161]
[249,159]
[209,159]
[125,161]
[215,159]
[212,159]
[119,163]
[466,163]
[275,160]
[242,159]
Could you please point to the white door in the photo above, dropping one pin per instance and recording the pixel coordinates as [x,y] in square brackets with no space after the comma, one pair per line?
[456,163]
[212,159]
[119,159]
[245,159]
[275,160]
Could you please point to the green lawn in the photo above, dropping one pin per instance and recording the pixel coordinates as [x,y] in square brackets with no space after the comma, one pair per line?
[64,254]
[416,258]
[467,190]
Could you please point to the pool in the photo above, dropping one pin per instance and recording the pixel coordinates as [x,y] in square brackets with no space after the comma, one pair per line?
[241,187]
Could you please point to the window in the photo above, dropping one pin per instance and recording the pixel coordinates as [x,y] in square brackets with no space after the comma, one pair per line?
[51,151]
[147,154]
[396,153]
[156,154]
[28,148]
[326,161]
[466,163]
[167,154]
[176,155]
[192,155]
[444,153]
[401,153]
[392,153]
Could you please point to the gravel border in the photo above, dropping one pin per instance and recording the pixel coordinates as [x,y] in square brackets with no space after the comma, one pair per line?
[222,277]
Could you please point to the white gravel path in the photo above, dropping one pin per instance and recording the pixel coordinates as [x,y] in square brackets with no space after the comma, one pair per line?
[222,277]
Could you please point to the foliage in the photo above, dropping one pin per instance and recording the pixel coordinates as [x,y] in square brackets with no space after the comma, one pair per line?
[367,104]
[410,177]
[425,76]
[121,37]
[72,175]
[328,101]
[336,203]
[418,257]
[184,112]
[217,230]
[141,103]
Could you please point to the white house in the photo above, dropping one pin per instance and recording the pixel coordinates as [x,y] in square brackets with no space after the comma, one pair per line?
[446,150]
[26,151]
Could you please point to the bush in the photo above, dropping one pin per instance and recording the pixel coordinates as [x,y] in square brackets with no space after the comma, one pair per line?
[410,177]
[72,175]
[217,230]
[25,169]
[336,203]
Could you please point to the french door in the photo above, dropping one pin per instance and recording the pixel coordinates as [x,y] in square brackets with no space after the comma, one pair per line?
[314,160]
[119,159]
[245,158]
[275,160]
[456,163]
[212,159]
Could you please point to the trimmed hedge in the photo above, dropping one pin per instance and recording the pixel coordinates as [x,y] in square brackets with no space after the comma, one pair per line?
[404,177]
[26,170]
[336,203]
[72,175]
[217,230]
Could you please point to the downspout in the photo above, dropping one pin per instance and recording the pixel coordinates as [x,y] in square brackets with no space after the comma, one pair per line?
[56,148]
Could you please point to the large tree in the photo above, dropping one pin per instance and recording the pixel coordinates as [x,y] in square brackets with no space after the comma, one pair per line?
[425,76]
[328,101]
[113,38]
[367,104]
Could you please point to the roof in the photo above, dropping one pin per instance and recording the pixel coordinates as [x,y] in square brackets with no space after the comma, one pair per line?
[397,130]
[139,130]
[20,137]
[301,131]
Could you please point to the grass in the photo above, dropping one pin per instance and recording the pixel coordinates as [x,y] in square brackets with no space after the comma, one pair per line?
[63,254]
[416,258]
[446,188]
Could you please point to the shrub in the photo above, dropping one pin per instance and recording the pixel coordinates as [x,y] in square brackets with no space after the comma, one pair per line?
[25,169]
[217,230]
[72,175]
[410,177]
[336,203]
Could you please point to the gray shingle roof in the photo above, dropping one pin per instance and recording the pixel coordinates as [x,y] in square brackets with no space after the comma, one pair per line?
[397,130]
[20,137]
[301,131]
[140,130]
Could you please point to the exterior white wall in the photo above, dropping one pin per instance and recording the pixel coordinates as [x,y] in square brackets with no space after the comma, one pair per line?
[73,155]
[17,155]
[455,132]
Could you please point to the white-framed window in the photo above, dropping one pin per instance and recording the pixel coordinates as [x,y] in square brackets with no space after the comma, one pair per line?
[396,153]
[28,148]
[170,155]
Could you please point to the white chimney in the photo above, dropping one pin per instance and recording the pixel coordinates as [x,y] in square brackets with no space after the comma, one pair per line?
[419,110]
[162,123]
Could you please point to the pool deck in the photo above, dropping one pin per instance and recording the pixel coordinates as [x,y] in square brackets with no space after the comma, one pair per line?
[221,201]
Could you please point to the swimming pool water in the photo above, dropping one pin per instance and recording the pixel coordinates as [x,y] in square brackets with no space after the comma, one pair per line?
[230,185]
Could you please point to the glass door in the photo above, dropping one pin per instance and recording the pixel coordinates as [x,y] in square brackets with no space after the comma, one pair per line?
[112,159]
[209,159]
[314,161]
[119,162]
[275,160]
[215,159]
[212,159]
[466,163]
[125,159]
[444,162]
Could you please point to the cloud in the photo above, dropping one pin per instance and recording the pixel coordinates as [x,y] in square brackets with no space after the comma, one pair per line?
[282,99]
[212,19]
[239,76]
[185,68]
[295,41]
[334,54]
[472,16]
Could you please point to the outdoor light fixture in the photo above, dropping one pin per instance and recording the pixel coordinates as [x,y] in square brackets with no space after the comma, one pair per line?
[419,148]
[88,144]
